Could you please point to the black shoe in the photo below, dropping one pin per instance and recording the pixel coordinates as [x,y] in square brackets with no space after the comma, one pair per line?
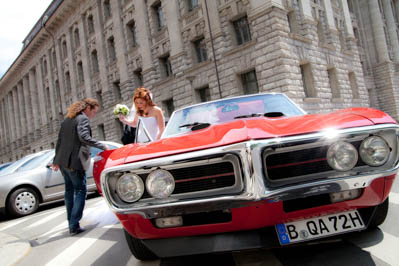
[76,231]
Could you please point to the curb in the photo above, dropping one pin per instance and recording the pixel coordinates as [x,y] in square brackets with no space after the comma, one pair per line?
[12,249]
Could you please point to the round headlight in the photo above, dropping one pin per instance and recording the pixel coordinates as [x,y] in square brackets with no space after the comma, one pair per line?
[130,187]
[342,156]
[374,151]
[160,184]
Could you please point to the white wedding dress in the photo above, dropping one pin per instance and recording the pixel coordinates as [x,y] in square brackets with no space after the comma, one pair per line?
[147,129]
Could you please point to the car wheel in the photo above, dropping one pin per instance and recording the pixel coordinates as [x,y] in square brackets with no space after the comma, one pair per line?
[380,214]
[23,201]
[138,249]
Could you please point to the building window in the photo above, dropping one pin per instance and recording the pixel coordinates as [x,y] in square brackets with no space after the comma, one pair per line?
[107,9]
[117,90]
[111,50]
[67,81]
[203,94]
[80,73]
[169,107]
[54,59]
[200,50]
[242,31]
[249,82]
[166,67]
[353,85]
[159,16]
[101,132]
[45,67]
[64,49]
[334,85]
[293,22]
[99,96]
[90,24]
[131,33]
[138,77]
[76,37]
[307,81]
[94,62]
[191,5]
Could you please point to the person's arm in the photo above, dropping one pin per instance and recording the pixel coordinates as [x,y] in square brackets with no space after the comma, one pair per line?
[161,122]
[133,123]
[83,130]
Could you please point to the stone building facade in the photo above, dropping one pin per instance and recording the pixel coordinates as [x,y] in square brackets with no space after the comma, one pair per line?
[325,54]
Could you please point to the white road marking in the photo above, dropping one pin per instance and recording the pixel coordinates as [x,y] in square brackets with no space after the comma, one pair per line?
[45,219]
[394,198]
[386,250]
[73,252]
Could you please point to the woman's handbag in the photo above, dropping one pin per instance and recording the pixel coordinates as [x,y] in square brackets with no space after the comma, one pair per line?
[129,135]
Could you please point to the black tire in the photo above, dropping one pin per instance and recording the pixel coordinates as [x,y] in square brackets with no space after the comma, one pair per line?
[22,202]
[380,214]
[138,249]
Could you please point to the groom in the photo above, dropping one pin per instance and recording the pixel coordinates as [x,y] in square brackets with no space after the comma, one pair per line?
[72,157]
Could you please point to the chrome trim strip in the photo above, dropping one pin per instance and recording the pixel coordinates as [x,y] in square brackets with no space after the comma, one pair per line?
[254,187]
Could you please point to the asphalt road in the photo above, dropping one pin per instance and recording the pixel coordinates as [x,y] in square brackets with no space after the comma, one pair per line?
[104,244]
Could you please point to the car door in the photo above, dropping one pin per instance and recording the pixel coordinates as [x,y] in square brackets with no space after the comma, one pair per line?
[54,185]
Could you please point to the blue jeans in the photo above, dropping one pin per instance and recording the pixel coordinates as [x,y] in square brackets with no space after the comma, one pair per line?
[75,195]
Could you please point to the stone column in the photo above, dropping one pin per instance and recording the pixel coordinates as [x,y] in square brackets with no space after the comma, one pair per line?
[11,117]
[120,42]
[61,74]
[41,98]
[51,84]
[348,19]
[306,9]
[72,67]
[393,34]
[4,125]
[329,15]
[176,41]
[214,17]
[378,30]
[85,57]
[22,113]
[16,113]
[28,107]
[143,34]
[35,103]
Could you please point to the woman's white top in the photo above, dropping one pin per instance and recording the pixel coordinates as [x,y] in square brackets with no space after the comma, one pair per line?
[147,129]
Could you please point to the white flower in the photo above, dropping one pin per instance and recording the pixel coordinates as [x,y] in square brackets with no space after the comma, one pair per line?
[121,109]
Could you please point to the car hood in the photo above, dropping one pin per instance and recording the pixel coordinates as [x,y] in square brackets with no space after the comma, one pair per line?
[247,129]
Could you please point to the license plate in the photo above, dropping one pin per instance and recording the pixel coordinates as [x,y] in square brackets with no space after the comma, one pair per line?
[319,227]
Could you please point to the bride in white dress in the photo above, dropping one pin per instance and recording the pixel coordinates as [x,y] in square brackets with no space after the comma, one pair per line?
[148,117]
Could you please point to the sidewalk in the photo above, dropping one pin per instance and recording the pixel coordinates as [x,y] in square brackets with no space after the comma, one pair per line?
[12,249]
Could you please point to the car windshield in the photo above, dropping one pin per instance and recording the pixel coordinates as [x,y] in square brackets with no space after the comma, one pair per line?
[226,110]
[38,161]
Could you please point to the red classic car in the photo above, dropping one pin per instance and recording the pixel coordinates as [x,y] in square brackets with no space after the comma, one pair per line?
[250,172]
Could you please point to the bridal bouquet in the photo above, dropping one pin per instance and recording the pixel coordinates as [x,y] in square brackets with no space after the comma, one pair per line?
[121,109]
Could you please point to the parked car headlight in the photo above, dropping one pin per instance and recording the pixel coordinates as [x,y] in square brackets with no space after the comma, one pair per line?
[130,187]
[160,184]
[374,151]
[342,156]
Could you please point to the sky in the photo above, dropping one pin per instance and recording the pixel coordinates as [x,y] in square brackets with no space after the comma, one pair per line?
[17,19]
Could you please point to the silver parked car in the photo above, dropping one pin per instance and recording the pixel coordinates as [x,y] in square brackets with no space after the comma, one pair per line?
[33,183]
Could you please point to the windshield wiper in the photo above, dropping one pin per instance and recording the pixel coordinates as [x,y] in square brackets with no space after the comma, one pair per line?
[196,125]
[246,116]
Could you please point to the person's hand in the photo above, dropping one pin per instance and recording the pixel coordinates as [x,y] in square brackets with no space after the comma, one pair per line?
[54,167]
[122,118]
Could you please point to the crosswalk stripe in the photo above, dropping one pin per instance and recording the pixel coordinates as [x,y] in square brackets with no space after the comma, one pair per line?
[45,219]
[394,198]
[73,252]
[386,250]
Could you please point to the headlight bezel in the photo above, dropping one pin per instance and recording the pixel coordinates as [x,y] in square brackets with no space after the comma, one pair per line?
[168,185]
[137,181]
[366,157]
[337,149]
